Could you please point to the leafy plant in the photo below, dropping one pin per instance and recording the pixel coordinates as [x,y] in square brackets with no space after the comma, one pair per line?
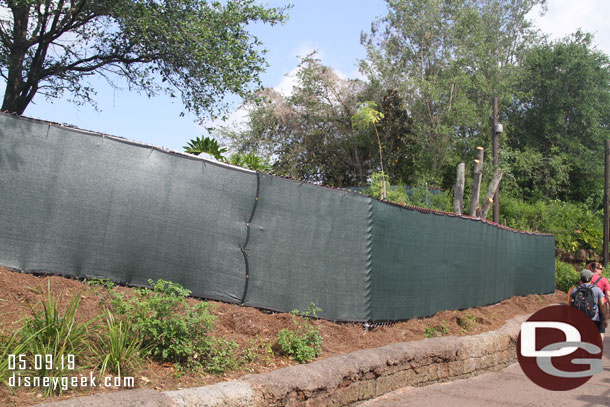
[207,145]
[574,225]
[251,161]
[420,195]
[258,350]
[304,342]
[103,283]
[435,331]
[218,356]
[171,329]
[566,276]
[468,322]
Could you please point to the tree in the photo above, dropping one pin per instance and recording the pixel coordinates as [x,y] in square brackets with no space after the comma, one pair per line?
[367,115]
[196,48]
[562,118]
[447,59]
[309,134]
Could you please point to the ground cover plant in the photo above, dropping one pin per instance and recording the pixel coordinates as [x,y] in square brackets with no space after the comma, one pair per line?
[253,333]
[303,341]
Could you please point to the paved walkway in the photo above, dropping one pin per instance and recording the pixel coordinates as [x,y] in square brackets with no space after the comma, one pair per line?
[508,387]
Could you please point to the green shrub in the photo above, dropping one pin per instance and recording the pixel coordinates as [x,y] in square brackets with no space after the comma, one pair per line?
[574,225]
[219,356]
[258,350]
[440,330]
[566,276]
[420,195]
[304,342]
[172,330]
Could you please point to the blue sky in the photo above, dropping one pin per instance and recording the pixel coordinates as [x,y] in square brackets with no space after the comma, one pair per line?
[332,27]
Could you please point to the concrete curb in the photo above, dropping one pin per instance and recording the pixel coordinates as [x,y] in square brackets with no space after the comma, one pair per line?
[341,380]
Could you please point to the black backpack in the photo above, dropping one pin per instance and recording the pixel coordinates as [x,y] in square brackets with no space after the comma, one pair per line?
[584,300]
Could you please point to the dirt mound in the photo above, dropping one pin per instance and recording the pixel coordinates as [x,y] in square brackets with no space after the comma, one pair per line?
[247,327]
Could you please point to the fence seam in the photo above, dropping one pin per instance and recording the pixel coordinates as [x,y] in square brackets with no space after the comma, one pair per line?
[243,248]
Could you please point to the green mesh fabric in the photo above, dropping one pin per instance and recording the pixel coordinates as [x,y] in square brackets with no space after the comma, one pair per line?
[86,205]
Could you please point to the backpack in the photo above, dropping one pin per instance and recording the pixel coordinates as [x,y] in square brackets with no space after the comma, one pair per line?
[584,300]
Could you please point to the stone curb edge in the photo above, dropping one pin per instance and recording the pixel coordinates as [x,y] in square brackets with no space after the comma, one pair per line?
[340,380]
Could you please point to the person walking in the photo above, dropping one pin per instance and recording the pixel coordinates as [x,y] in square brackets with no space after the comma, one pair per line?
[591,300]
[599,280]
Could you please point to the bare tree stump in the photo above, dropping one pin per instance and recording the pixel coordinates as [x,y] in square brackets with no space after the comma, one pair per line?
[458,190]
[491,191]
[476,185]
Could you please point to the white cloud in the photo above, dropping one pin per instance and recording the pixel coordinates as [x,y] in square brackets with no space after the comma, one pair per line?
[238,118]
[565,17]
[287,83]
[306,48]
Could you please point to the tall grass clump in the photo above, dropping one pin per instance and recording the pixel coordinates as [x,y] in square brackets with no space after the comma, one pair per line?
[54,341]
[118,349]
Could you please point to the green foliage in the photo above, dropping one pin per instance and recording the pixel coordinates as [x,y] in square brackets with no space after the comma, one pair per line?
[446,59]
[366,115]
[435,331]
[14,344]
[102,283]
[258,350]
[420,196]
[309,134]
[251,161]
[198,49]
[118,350]
[304,342]
[205,145]
[563,112]
[532,175]
[50,332]
[171,329]
[468,322]
[574,225]
[217,355]
[566,276]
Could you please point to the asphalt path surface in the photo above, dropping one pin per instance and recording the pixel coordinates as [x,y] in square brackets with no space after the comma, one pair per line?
[508,387]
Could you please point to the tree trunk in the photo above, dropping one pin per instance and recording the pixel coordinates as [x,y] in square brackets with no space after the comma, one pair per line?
[491,190]
[458,190]
[13,93]
[476,186]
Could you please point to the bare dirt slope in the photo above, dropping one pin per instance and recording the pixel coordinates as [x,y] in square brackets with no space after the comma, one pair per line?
[246,326]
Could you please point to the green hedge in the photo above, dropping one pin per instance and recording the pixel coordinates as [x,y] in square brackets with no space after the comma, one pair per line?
[574,225]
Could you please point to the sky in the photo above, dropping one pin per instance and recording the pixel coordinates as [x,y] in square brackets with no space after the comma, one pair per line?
[332,27]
